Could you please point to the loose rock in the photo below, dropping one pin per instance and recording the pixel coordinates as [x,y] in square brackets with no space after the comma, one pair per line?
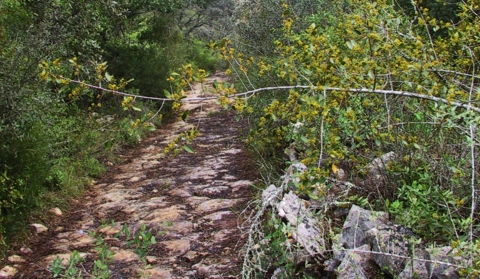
[39,228]
[56,211]
[8,272]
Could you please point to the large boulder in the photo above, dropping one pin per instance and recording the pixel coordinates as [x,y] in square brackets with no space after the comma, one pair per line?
[417,268]
[355,263]
[306,230]
[354,232]
[368,241]
[391,247]
[443,261]
[377,167]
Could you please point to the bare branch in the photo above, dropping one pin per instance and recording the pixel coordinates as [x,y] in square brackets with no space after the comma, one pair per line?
[250,93]
[365,90]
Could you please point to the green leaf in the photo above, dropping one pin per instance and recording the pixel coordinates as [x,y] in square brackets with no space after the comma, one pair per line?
[188,148]
[136,108]
[108,77]
[185,114]
[371,75]
[351,44]
[222,43]
[151,128]
[306,72]
[109,144]
[167,94]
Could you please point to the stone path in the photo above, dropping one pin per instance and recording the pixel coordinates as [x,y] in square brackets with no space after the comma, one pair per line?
[190,203]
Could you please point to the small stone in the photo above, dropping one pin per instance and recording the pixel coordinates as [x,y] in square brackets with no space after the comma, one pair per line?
[8,272]
[16,259]
[204,269]
[82,241]
[39,228]
[217,215]
[270,194]
[158,272]
[180,193]
[177,247]
[215,190]
[65,258]
[58,229]
[194,201]
[109,230]
[222,235]
[181,227]
[135,179]
[340,174]
[125,256]
[26,250]
[217,204]
[232,151]
[61,247]
[151,259]
[191,256]
[56,211]
[165,214]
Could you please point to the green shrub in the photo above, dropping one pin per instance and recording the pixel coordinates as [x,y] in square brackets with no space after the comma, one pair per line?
[370,82]
[200,54]
[429,210]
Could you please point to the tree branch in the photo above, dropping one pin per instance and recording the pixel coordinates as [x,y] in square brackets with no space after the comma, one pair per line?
[250,93]
[365,90]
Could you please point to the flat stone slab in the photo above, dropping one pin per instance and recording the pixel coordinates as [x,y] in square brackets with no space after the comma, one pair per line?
[176,247]
[216,204]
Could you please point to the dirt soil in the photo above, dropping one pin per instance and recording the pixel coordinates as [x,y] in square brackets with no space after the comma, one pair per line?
[190,203]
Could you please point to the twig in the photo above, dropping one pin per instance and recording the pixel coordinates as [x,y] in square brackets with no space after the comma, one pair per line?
[320,157]
[472,150]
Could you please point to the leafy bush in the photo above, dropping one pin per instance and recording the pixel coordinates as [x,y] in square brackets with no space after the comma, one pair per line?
[428,210]
[200,54]
[370,81]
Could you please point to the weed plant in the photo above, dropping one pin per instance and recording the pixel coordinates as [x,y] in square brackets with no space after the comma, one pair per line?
[141,241]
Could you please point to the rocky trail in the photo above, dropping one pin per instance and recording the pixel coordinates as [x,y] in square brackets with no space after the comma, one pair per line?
[190,203]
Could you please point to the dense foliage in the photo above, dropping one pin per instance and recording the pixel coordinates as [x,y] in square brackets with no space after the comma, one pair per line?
[56,135]
[341,86]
